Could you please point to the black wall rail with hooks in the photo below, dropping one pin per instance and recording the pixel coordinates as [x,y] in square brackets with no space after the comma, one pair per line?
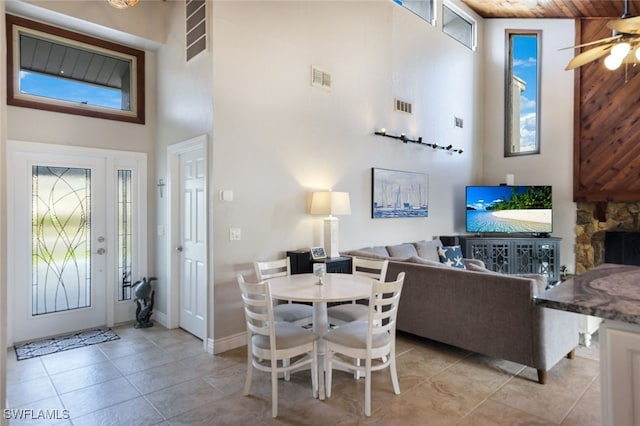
[404,139]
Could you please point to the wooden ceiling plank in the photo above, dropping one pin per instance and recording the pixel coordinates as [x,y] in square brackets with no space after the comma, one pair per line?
[552,8]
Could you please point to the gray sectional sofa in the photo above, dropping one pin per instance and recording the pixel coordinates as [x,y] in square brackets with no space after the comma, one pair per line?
[476,309]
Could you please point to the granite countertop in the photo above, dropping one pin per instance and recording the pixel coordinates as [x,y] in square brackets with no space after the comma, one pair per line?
[607,291]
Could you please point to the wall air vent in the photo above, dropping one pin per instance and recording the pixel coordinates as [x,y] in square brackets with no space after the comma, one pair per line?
[196,27]
[402,106]
[320,78]
[458,122]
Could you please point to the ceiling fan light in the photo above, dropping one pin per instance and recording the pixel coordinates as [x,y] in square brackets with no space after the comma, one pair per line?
[122,4]
[620,50]
[612,63]
[638,53]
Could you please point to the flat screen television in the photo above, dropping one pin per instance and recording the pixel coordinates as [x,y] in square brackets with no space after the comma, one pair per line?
[509,209]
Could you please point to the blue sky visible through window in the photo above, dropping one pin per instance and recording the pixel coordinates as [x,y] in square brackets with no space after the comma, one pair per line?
[525,56]
[69,90]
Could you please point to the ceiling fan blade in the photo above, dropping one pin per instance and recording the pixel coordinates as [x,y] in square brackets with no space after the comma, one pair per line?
[626,25]
[589,56]
[591,43]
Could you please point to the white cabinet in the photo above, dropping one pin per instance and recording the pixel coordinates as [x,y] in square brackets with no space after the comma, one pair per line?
[620,373]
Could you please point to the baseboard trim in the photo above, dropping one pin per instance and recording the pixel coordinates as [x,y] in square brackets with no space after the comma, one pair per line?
[217,346]
[160,318]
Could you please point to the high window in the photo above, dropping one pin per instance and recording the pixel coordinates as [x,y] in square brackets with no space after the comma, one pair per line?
[522,93]
[423,8]
[59,70]
[459,25]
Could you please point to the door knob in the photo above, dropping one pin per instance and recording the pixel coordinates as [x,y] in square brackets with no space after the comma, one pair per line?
[101,251]
[179,248]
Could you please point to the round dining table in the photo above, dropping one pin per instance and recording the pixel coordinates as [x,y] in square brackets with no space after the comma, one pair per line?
[334,288]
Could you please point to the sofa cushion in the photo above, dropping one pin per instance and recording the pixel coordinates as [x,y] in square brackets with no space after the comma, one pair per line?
[367,254]
[405,250]
[428,249]
[476,268]
[451,256]
[540,282]
[379,251]
[423,261]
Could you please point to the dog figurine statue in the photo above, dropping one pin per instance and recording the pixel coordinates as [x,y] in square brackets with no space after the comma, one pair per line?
[144,292]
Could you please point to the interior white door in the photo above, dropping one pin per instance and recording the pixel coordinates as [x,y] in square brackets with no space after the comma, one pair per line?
[192,242]
[58,244]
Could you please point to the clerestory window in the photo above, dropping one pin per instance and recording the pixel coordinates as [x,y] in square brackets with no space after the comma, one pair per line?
[54,69]
[459,25]
[423,8]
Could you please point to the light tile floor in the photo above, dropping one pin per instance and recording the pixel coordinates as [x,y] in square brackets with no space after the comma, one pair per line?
[157,376]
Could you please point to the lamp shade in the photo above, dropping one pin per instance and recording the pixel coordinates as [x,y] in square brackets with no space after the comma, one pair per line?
[331,203]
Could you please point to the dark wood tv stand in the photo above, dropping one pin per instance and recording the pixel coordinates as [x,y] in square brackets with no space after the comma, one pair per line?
[515,255]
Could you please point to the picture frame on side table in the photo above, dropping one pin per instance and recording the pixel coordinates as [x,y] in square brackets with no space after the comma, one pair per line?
[399,194]
[318,253]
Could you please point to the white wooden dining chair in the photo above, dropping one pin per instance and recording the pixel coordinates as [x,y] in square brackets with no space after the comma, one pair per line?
[373,341]
[270,343]
[348,312]
[297,313]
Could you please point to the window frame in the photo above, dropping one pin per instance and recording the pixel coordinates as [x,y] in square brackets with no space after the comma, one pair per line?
[465,17]
[408,4]
[16,24]
[508,123]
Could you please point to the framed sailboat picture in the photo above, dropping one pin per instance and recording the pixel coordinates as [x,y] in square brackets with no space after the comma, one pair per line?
[396,193]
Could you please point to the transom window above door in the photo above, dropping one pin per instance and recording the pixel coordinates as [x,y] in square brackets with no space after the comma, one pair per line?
[58,70]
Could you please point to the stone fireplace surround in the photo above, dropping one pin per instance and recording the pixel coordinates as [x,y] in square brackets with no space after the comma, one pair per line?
[593,220]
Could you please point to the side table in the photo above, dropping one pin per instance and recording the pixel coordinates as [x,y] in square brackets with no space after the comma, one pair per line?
[302,263]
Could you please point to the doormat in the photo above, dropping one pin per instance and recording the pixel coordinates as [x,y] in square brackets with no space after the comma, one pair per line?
[64,343]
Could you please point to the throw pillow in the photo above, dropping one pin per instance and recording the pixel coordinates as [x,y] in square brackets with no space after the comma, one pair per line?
[428,249]
[451,256]
[405,250]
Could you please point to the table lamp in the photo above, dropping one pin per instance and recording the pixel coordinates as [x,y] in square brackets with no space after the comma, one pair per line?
[330,203]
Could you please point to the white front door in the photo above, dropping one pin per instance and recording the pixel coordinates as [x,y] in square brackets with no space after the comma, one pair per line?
[58,244]
[192,248]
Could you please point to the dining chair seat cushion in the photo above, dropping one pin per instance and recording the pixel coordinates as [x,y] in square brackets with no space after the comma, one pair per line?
[287,336]
[354,335]
[348,312]
[292,312]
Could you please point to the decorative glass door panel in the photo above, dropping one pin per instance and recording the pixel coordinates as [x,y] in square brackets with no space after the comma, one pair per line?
[58,244]
[61,239]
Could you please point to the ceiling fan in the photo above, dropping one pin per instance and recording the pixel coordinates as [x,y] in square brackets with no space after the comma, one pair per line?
[622,47]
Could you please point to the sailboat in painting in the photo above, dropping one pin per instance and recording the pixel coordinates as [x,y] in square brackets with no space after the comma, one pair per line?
[399,194]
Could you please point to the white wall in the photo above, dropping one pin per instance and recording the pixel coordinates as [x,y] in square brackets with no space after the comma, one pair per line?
[31,125]
[3,226]
[276,138]
[143,25]
[554,165]
[185,110]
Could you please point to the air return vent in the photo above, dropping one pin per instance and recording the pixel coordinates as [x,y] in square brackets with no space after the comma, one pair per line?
[320,78]
[403,106]
[196,27]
